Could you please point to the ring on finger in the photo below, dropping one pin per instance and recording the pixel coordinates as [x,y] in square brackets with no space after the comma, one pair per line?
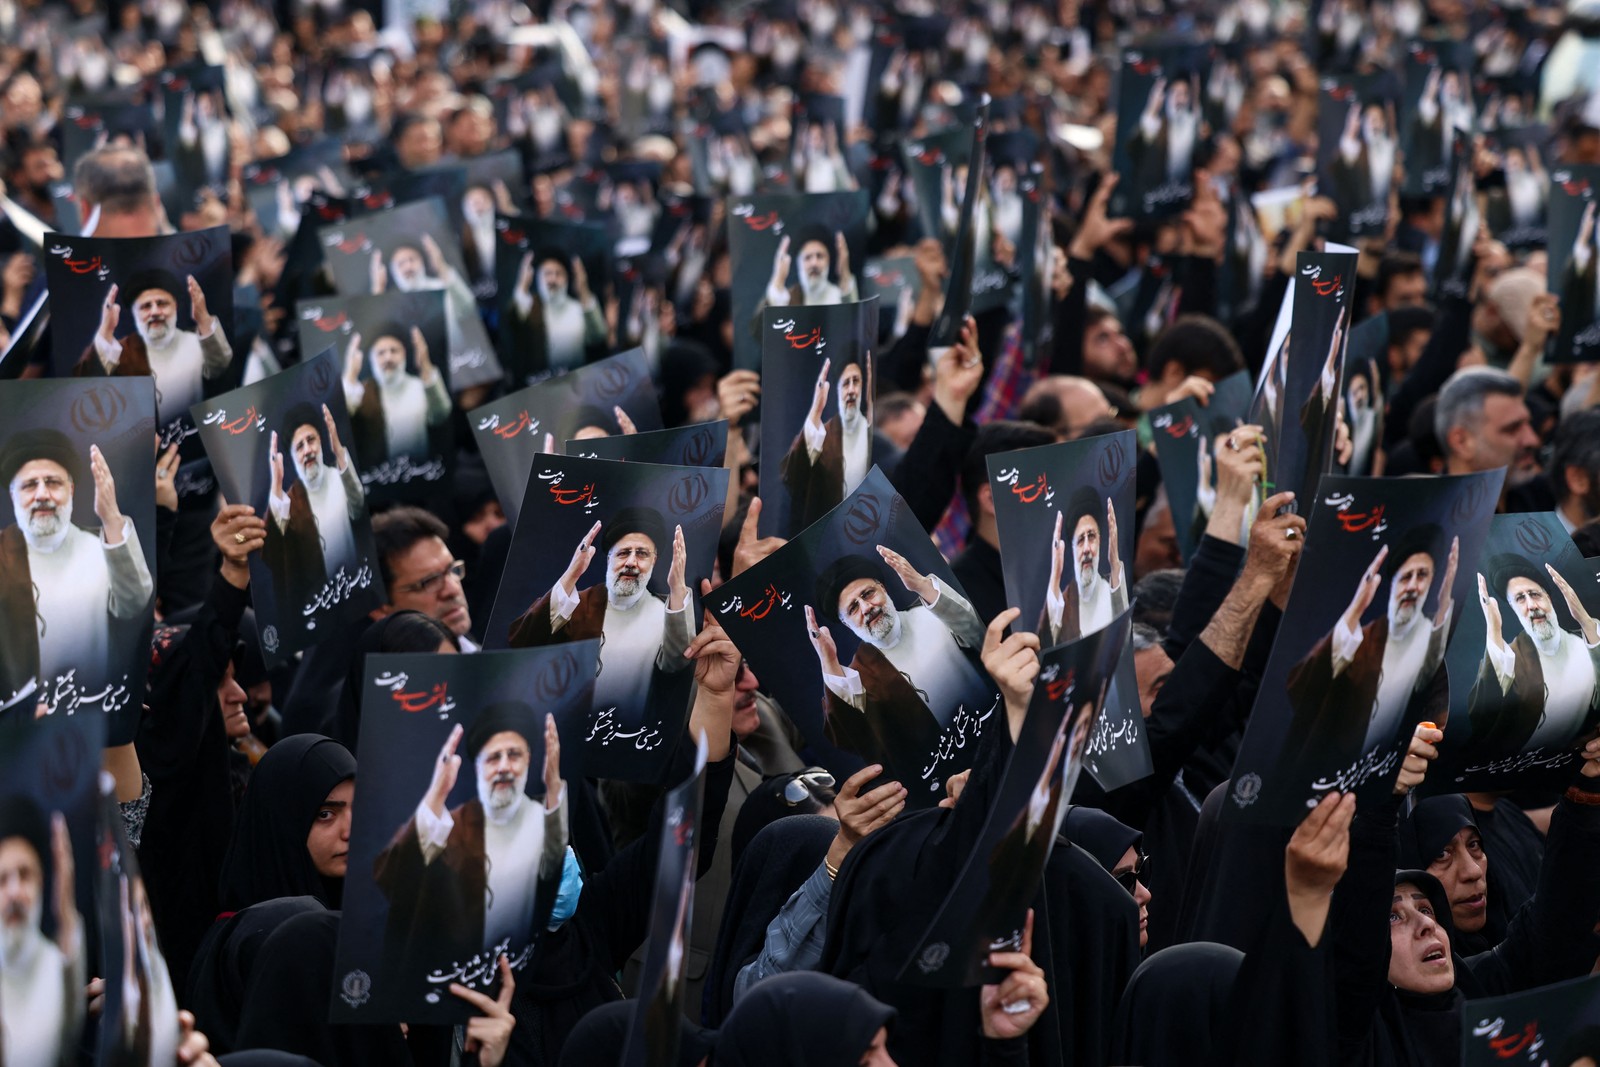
[1291,533]
[1233,446]
[238,538]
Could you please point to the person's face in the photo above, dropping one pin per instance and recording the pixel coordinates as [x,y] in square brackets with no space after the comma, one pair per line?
[814,262]
[41,497]
[427,564]
[1086,547]
[503,769]
[21,891]
[407,263]
[307,448]
[1375,123]
[553,277]
[1450,87]
[1506,439]
[419,145]
[231,699]
[1406,290]
[1403,358]
[1419,950]
[1178,95]
[329,840]
[154,310]
[1358,393]
[1107,353]
[746,717]
[631,562]
[1152,666]
[40,167]
[388,358]
[1411,584]
[1463,869]
[1532,605]
[478,203]
[850,390]
[864,606]
[1516,162]
[1157,546]
[877,1054]
[1141,895]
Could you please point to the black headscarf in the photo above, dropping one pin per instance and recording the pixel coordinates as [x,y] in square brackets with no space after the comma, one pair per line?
[286,1001]
[801,1019]
[777,862]
[1230,862]
[225,962]
[767,804]
[1175,1009]
[1100,835]
[261,1057]
[268,857]
[600,1036]
[1424,833]
[1429,1024]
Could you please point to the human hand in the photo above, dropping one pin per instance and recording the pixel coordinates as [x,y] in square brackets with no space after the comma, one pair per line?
[552,763]
[1371,579]
[436,264]
[445,770]
[953,786]
[1420,752]
[1058,557]
[352,359]
[1275,542]
[677,584]
[860,814]
[1580,614]
[193,1046]
[780,265]
[819,396]
[275,461]
[237,531]
[1013,663]
[1113,551]
[582,556]
[920,584]
[716,657]
[752,549]
[376,275]
[1010,1008]
[1315,860]
[204,321]
[105,495]
[580,281]
[340,456]
[167,477]
[1096,230]
[489,1034]
[419,345]
[738,393]
[1491,615]
[110,315]
[822,643]
[66,905]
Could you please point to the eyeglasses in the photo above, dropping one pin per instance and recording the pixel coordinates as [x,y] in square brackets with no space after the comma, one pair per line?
[798,788]
[1129,879]
[457,570]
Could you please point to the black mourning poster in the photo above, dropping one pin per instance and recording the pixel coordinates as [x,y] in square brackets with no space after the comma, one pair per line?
[1159,126]
[700,444]
[455,848]
[1522,664]
[1574,277]
[859,622]
[817,432]
[1550,1026]
[513,429]
[1359,657]
[1187,435]
[77,547]
[615,551]
[282,446]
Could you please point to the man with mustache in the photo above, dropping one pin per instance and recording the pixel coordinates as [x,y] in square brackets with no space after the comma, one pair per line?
[181,361]
[829,459]
[642,632]
[1170,126]
[1537,690]
[466,880]
[1351,692]
[911,669]
[41,981]
[310,537]
[813,287]
[1088,602]
[392,412]
[556,316]
[66,595]
[424,269]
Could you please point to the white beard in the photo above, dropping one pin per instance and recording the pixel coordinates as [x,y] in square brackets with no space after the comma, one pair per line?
[1380,164]
[1088,576]
[19,944]
[388,380]
[554,299]
[1402,619]
[501,809]
[45,533]
[849,416]
[158,337]
[817,291]
[623,592]
[882,632]
[1543,633]
[311,477]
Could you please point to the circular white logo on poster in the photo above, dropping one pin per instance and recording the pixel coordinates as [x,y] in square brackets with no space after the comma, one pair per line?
[933,957]
[1247,789]
[269,638]
[356,988]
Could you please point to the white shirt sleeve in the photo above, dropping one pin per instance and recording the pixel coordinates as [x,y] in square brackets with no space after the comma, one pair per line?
[562,605]
[1504,663]
[433,831]
[278,504]
[777,297]
[1346,640]
[1054,605]
[352,394]
[814,434]
[110,352]
[847,688]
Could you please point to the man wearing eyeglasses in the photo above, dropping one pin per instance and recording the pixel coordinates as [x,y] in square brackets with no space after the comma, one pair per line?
[62,588]
[420,571]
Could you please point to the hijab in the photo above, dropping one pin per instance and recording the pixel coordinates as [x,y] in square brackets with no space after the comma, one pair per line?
[268,857]
[1424,833]
[776,863]
[225,962]
[1429,1024]
[286,1001]
[1175,1009]
[1100,835]
[600,1037]
[803,1019]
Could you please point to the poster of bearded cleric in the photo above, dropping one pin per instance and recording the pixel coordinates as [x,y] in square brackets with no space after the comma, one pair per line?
[596,401]
[1187,435]
[986,909]
[860,623]
[1160,124]
[1358,149]
[816,412]
[551,292]
[410,248]
[77,548]
[700,444]
[48,771]
[1359,657]
[283,446]
[1557,1024]
[1523,692]
[159,307]
[1065,559]
[1574,249]
[1296,401]
[616,551]
[395,383]
[792,250]
[457,846]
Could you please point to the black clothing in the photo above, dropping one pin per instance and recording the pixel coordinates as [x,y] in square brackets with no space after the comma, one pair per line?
[977,568]
[802,1019]
[227,959]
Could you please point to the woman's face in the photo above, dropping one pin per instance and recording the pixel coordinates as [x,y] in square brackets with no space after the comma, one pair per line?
[1419,950]
[1141,896]
[329,839]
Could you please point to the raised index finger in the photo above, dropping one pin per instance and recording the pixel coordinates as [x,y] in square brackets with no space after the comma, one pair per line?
[991,636]
[588,538]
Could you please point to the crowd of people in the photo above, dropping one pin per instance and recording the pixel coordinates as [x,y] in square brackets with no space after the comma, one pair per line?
[1161,932]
